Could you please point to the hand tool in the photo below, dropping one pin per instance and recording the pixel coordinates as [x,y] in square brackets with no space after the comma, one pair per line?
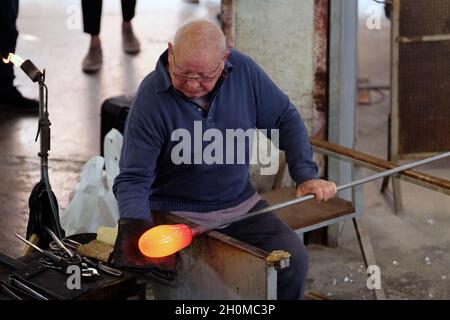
[10,263]
[102,267]
[18,284]
[45,253]
[59,242]
[74,244]
[6,288]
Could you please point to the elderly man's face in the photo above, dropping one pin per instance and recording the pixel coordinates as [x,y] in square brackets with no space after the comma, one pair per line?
[195,75]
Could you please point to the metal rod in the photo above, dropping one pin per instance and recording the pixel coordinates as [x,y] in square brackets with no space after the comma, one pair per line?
[18,284]
[59,242]
[367,161]
[42,153]
[29,243]
[45,253]
[5,288]
[374,87]
[202,229]
[426,38]
[10,263]
[44,128]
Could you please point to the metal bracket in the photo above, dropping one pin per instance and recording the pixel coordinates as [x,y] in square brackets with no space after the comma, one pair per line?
[279,259]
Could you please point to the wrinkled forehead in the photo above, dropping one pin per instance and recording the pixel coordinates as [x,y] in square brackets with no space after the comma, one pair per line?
[197,59]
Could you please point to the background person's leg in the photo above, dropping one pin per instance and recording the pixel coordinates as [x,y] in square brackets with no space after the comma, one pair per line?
[92,16]
[9,95]
[8,38]
[270,233]
[130,43]
[128,9]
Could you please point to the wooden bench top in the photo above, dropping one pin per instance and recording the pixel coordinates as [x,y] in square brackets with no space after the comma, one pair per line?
[307,213]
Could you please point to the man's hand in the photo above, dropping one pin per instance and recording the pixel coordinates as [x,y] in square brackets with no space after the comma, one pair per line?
[321,189]
[126,254]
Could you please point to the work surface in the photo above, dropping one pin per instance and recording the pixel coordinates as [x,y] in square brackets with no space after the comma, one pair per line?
[53,283]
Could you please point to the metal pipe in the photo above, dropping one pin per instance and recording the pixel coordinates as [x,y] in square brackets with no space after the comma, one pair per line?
[18,284]
[202,229]
[367,161]
[425,38]
[44,130]
[374,87]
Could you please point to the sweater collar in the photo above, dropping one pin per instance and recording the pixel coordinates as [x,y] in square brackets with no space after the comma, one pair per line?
[163,81]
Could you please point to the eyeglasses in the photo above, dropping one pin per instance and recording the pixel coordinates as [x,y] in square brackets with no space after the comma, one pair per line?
[202,79]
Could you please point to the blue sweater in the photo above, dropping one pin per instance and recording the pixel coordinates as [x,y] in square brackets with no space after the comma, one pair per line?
[243,98]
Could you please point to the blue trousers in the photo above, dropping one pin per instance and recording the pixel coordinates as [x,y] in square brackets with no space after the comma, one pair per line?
[268,232]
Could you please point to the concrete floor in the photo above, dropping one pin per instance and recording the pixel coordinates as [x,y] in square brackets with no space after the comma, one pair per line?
[74,106]
[401,244]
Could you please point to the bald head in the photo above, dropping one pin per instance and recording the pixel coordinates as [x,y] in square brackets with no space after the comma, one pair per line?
[200,36]
[196,58]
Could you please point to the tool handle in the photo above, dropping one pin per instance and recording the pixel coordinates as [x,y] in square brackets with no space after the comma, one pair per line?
[104,268]
[110,270]
[52,256]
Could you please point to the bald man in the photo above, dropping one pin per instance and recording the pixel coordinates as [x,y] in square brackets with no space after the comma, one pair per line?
[198,94]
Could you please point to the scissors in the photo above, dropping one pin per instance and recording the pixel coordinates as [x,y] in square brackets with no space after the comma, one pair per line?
[65,244]
[57,245]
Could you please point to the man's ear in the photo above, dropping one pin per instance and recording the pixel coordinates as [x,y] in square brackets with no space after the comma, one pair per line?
[169,53]
[226,54]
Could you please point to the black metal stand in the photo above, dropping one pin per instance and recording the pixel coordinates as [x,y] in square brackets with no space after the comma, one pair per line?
[44,131]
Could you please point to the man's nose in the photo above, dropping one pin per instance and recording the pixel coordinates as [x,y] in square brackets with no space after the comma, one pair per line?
[192,84]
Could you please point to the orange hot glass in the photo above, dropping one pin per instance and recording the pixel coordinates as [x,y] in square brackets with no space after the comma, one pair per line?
[164,240]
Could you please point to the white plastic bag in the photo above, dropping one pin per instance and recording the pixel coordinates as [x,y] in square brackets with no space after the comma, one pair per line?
[94,203]
[112,147]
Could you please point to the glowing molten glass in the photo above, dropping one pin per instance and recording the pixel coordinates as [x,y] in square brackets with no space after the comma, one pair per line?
[164,240]
[14,59]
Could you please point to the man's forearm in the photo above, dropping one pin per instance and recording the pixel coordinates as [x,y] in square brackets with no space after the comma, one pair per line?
[132,199]
[294,140]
